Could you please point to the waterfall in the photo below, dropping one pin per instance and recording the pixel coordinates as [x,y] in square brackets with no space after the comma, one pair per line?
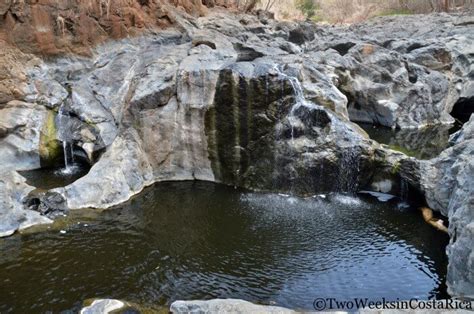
[301,100]
[349,158]
[403,190]
[349,167]
[64,136]
[298,89]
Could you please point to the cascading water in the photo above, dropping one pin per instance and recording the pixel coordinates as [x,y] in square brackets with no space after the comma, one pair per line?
[64,135]
[298,89]
[301,100]
[349,160]
[349,164]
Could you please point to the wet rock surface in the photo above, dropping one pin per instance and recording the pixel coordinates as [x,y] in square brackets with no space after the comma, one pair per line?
[224,305]
[103,306]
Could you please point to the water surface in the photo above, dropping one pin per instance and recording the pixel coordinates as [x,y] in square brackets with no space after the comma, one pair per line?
[196,240]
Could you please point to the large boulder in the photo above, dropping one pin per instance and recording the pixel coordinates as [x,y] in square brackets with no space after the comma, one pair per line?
[13,215]
[28,136]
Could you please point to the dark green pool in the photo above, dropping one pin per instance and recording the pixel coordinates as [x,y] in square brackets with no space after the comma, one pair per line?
[195,240]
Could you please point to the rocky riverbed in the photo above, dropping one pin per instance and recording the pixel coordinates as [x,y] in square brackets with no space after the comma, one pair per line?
[246,101]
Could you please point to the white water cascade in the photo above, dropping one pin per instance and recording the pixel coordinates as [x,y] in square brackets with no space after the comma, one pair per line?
[301,100]
[349,160]
[68,150]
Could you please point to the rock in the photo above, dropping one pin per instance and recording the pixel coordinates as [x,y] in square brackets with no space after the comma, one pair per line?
[269,145]
[302,33]
[224,306]
[123,171]
[449,188]
[49,204]
[103,306]
[49,28]
[13,215]
[466,133]
[14,66]
[386,90]
[27,136]
[47,92]
[233,99]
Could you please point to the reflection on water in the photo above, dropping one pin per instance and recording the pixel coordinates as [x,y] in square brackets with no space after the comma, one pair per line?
[424,143]
[195,240]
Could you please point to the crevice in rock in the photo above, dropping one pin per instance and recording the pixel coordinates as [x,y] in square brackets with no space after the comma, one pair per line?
[463,109]
[412,76]
[49,204]
[246,53]
[204,42]
[343,48]
[415,46]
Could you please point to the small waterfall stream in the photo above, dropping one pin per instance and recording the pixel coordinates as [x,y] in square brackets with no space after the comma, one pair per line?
[301,100]
[298,89]
[349,160]
[64,135]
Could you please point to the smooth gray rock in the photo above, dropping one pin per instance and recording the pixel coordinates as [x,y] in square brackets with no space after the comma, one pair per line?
[224,306]
[103,306]
[21,125]
[13,215]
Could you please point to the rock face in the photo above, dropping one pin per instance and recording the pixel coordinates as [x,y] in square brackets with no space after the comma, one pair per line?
[449,188]
[49,28]
[237,99]
[224,306]
[13,216]
[403,72]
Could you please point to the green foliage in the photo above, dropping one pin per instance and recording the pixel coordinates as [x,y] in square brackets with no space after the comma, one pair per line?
[308,7]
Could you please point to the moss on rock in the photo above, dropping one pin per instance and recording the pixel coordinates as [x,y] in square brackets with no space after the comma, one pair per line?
[49,146]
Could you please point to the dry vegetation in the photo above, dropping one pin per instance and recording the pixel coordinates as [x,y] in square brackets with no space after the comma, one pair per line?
[351,11]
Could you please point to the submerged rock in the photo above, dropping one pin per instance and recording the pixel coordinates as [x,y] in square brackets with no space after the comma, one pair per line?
[224,306]
[103,306]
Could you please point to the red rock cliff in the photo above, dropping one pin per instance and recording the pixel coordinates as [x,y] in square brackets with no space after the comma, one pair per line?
[52,27]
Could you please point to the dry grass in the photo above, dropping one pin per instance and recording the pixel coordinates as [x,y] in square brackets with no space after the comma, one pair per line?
[353,11]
